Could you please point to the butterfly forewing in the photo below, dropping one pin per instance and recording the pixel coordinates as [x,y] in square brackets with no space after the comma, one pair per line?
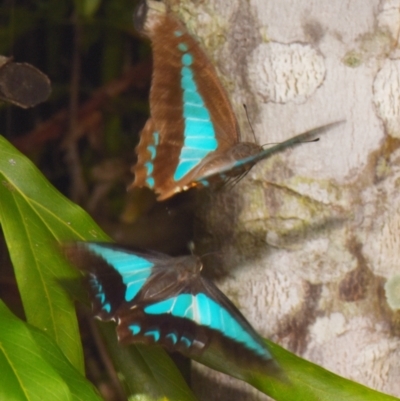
[114,277]
[104,283]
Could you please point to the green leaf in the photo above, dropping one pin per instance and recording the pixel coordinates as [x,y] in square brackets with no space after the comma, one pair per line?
[33,367]
[35,218]
[306,381]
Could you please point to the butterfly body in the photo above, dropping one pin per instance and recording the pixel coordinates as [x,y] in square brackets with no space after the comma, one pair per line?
[158,299]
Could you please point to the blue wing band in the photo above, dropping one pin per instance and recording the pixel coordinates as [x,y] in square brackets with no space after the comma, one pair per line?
[133,269]
[199,132]
[205,311]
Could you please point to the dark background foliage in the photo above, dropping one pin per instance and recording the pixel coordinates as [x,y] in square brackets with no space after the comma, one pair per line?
[83,137]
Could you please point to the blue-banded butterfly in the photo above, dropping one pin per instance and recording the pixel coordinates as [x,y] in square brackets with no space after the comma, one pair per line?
[192,136]
[159,299]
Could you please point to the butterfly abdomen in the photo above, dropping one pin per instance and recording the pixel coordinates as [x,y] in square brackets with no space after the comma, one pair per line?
[220,168]
[243,150]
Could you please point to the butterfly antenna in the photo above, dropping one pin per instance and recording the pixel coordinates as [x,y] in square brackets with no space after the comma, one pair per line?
[248,120]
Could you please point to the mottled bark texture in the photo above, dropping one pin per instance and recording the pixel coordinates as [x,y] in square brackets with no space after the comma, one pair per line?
[308,242]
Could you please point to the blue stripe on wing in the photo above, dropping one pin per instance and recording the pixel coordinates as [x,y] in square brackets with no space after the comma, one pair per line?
[199,132]
[99,293]
[133,269]
[152,148]
[206,312]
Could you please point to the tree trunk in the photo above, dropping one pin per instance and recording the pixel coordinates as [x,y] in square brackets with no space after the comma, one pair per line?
[308,242]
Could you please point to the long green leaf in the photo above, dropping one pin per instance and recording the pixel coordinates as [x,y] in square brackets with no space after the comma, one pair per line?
[34,368]
[307,381]
[35,217]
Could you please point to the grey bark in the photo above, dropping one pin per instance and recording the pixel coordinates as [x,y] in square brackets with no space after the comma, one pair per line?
[308,243]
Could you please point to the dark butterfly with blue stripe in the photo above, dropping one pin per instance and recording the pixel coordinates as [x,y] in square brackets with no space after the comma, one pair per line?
[192,136]
[158,299]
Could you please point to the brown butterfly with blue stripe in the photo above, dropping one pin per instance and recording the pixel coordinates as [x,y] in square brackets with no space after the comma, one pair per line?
[192,136]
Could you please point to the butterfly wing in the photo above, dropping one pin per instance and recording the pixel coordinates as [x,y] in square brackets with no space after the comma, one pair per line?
[234,346]
[191,113]
[114,276]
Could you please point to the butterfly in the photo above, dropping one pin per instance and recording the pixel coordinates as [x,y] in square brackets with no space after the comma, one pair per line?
[192,136]
[159,299]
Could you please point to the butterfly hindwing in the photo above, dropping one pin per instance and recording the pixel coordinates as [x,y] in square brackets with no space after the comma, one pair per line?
[174,333]
[189,322]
